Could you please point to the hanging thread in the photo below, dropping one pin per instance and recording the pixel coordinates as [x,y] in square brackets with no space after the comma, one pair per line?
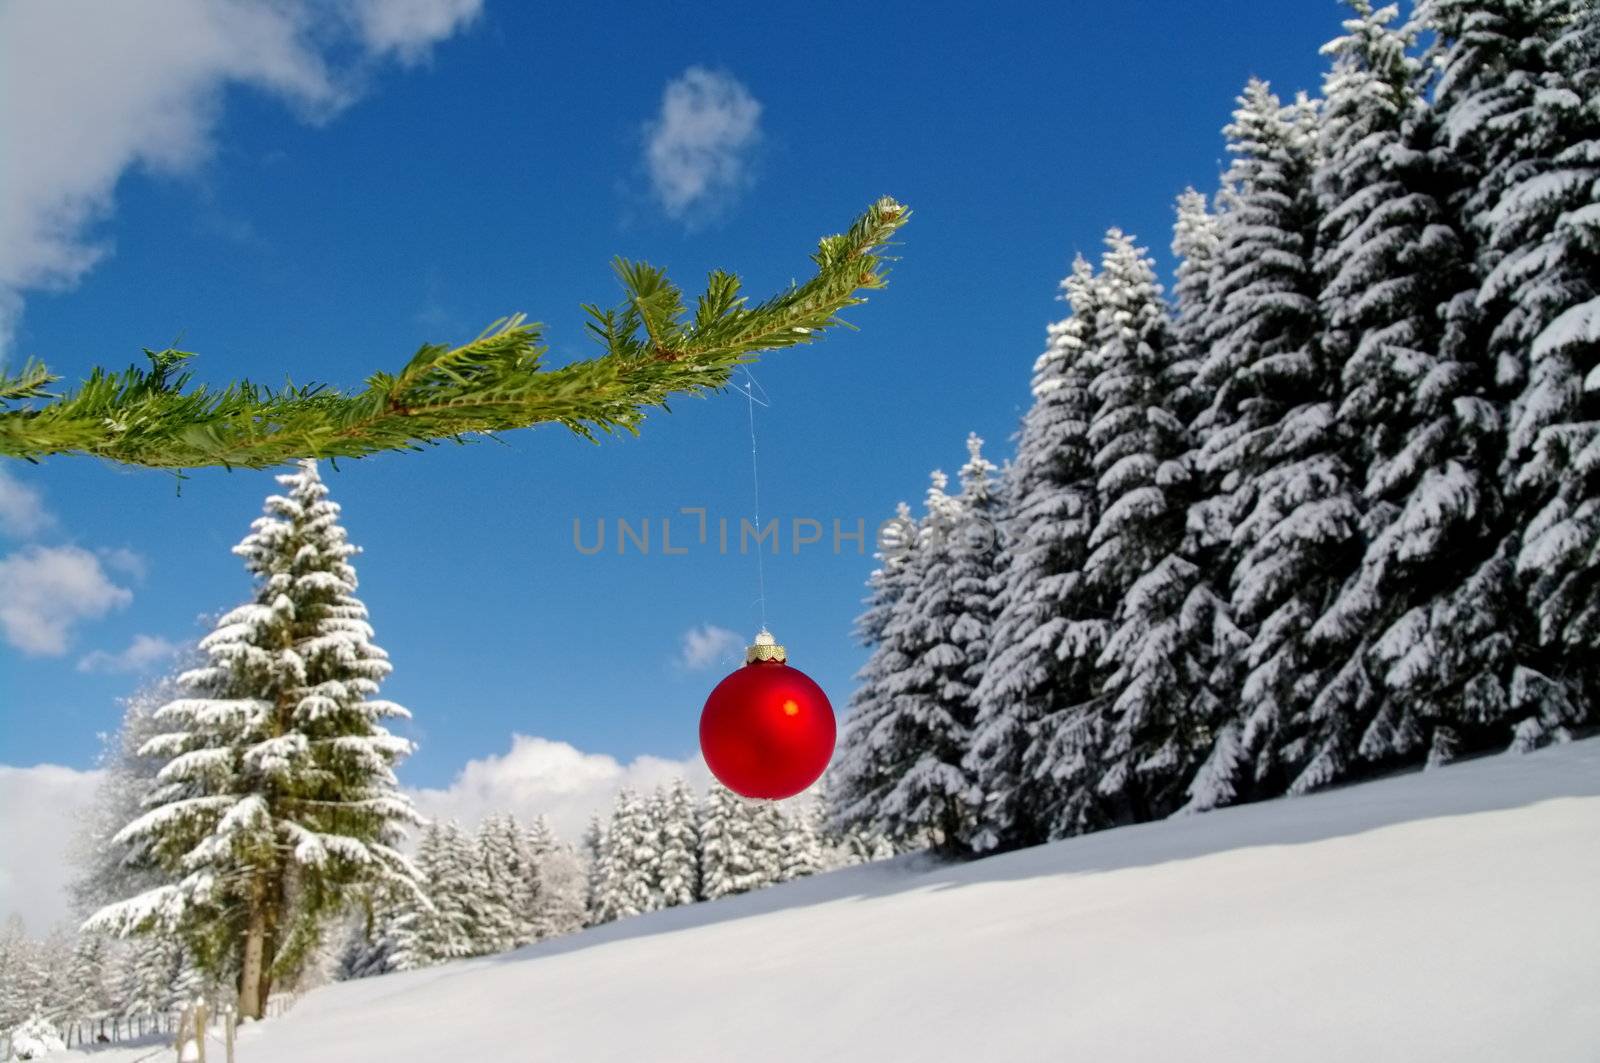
[755,491]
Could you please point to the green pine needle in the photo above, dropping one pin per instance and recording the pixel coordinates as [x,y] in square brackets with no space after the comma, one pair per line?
[653,349]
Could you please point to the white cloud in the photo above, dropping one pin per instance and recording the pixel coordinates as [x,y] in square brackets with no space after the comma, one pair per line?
[697,150]
[140,654]
[708,645]
[408,29]
[90,90]
[538,776]
[123,560]
[45,590]
[42,809]
[22,510]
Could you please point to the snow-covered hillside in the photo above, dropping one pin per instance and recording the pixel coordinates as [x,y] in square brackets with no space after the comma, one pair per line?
[1441,916]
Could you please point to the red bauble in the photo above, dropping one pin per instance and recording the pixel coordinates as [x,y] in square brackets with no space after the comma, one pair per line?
[767,730]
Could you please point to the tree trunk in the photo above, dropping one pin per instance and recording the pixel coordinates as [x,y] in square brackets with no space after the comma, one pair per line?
[252,973]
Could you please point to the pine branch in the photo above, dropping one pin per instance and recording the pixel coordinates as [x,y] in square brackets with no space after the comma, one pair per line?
[653,350]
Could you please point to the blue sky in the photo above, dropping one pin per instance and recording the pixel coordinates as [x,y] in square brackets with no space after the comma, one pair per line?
[495,165]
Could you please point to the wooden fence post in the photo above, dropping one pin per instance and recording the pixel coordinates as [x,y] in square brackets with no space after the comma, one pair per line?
[183,1024]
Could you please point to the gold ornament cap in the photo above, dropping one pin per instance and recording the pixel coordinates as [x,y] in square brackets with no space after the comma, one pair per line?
[765,648]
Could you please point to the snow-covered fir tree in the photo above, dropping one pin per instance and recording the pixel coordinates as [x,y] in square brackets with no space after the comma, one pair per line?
[1196,239]
[1498,88]
[279,796]
[887,730]
[416,924]
[845,844]
[1370,184]
[730,851]
[939,628]
[1151,671]
[1378,314]
[678,833]
[1280,488]
[1488,65]
[860,769]
[370,942]
[1397,296]
[769,825]
[435,923]
[1179,599]
[90,989]
[157,974]
[536,845]
[19,974]
[955,604]
[539,839]
[1542,244]
[107,871]
[507,879]
[53,967]
[1133,432]
[1036,686]
[629,855]
[802,849]
[855,845]
[563,897]
[592,846]
[655,818]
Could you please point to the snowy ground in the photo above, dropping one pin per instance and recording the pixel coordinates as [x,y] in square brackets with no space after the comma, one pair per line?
[1441,916]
